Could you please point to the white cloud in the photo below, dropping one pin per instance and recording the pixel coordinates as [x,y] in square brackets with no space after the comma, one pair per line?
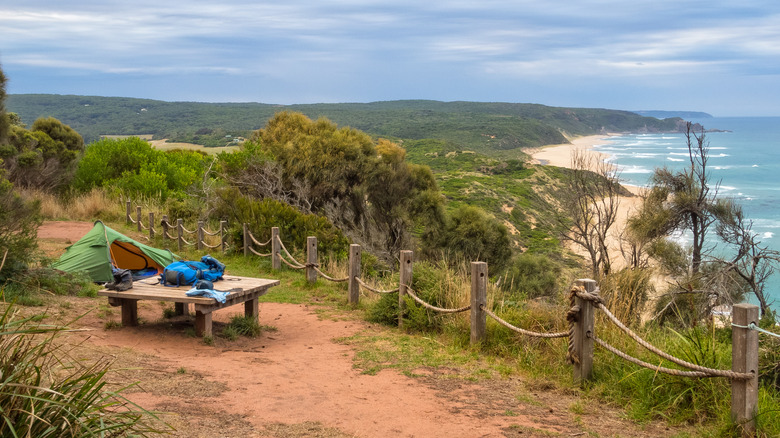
[400,45]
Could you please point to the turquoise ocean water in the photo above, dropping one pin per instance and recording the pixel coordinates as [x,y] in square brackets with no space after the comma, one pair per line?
[746,161]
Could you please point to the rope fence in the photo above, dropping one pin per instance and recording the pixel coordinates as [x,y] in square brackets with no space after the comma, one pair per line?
[581,336]
[418,300]
[329,278]
[200,232]
[524,331]
[366,286]
[753,326]
[707,372]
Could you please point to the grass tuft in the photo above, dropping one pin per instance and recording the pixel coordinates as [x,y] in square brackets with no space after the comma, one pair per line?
[47,393]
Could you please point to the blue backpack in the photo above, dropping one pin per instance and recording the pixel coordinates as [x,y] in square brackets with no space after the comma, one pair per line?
[184,272]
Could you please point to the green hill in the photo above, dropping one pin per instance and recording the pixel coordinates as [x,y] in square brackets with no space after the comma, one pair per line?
[491,128]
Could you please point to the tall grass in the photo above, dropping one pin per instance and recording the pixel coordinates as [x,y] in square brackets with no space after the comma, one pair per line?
[645,394]
[29,287]
[95,204]
[44,392]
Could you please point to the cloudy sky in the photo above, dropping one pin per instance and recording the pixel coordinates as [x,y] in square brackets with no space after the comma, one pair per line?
[721,57]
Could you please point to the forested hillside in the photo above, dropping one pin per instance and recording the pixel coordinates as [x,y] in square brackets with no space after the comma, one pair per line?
[490,128]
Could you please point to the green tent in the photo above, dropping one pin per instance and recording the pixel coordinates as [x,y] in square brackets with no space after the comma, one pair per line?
[94,252]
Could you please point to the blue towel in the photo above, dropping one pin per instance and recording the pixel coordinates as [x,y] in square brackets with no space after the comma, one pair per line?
[209,293]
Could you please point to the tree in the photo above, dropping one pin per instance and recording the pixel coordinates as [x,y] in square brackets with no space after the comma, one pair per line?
[751,261]
[44,157]
[687,199]
[364,187]
[710,272]
[19,219]
[589,206]
[5,122]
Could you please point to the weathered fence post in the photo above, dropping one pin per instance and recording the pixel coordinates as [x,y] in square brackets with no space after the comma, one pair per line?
[744,359]
[200,235]
[222,226]
[405,274]
[354,273]
[479,277]
[583,328]
[246,239]
[151,225]
[311,259]
[276,256]
[127,214]
[165,228]
[180,232]
[138,217]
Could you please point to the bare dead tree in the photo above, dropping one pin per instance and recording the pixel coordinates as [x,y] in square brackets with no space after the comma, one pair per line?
[590,201]
[264,179]
[752,262]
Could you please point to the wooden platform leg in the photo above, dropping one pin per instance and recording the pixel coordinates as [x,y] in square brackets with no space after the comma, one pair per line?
[202,323]
[181,309]
[129,312]
[252,308]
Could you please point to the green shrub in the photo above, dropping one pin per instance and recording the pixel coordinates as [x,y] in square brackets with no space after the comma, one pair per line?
[626,292]
[184,209]
[132,166]
[384,311]
[532,276]
[43,157]
[471,235]
[436,284]
[19,221]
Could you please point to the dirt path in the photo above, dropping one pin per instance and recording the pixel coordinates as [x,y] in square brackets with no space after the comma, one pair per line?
[298,381]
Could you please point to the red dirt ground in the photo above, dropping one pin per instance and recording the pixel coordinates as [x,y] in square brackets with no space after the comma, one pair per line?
[298,382]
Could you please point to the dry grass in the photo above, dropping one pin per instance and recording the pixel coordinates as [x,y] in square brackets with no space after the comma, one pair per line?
[96,204]
[164,145]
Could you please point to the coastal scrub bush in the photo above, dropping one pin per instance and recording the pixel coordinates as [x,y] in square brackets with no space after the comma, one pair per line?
[626,292]
[471,235]
[43,157]
[365,187]
[19,221]
[132,166]
[532,276]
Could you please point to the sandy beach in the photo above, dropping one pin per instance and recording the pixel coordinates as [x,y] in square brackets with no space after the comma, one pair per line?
[560,154]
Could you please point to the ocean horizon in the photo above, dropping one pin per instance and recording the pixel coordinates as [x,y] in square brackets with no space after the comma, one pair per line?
[744,165]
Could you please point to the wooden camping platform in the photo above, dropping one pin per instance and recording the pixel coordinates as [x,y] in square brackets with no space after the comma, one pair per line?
[251,289]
